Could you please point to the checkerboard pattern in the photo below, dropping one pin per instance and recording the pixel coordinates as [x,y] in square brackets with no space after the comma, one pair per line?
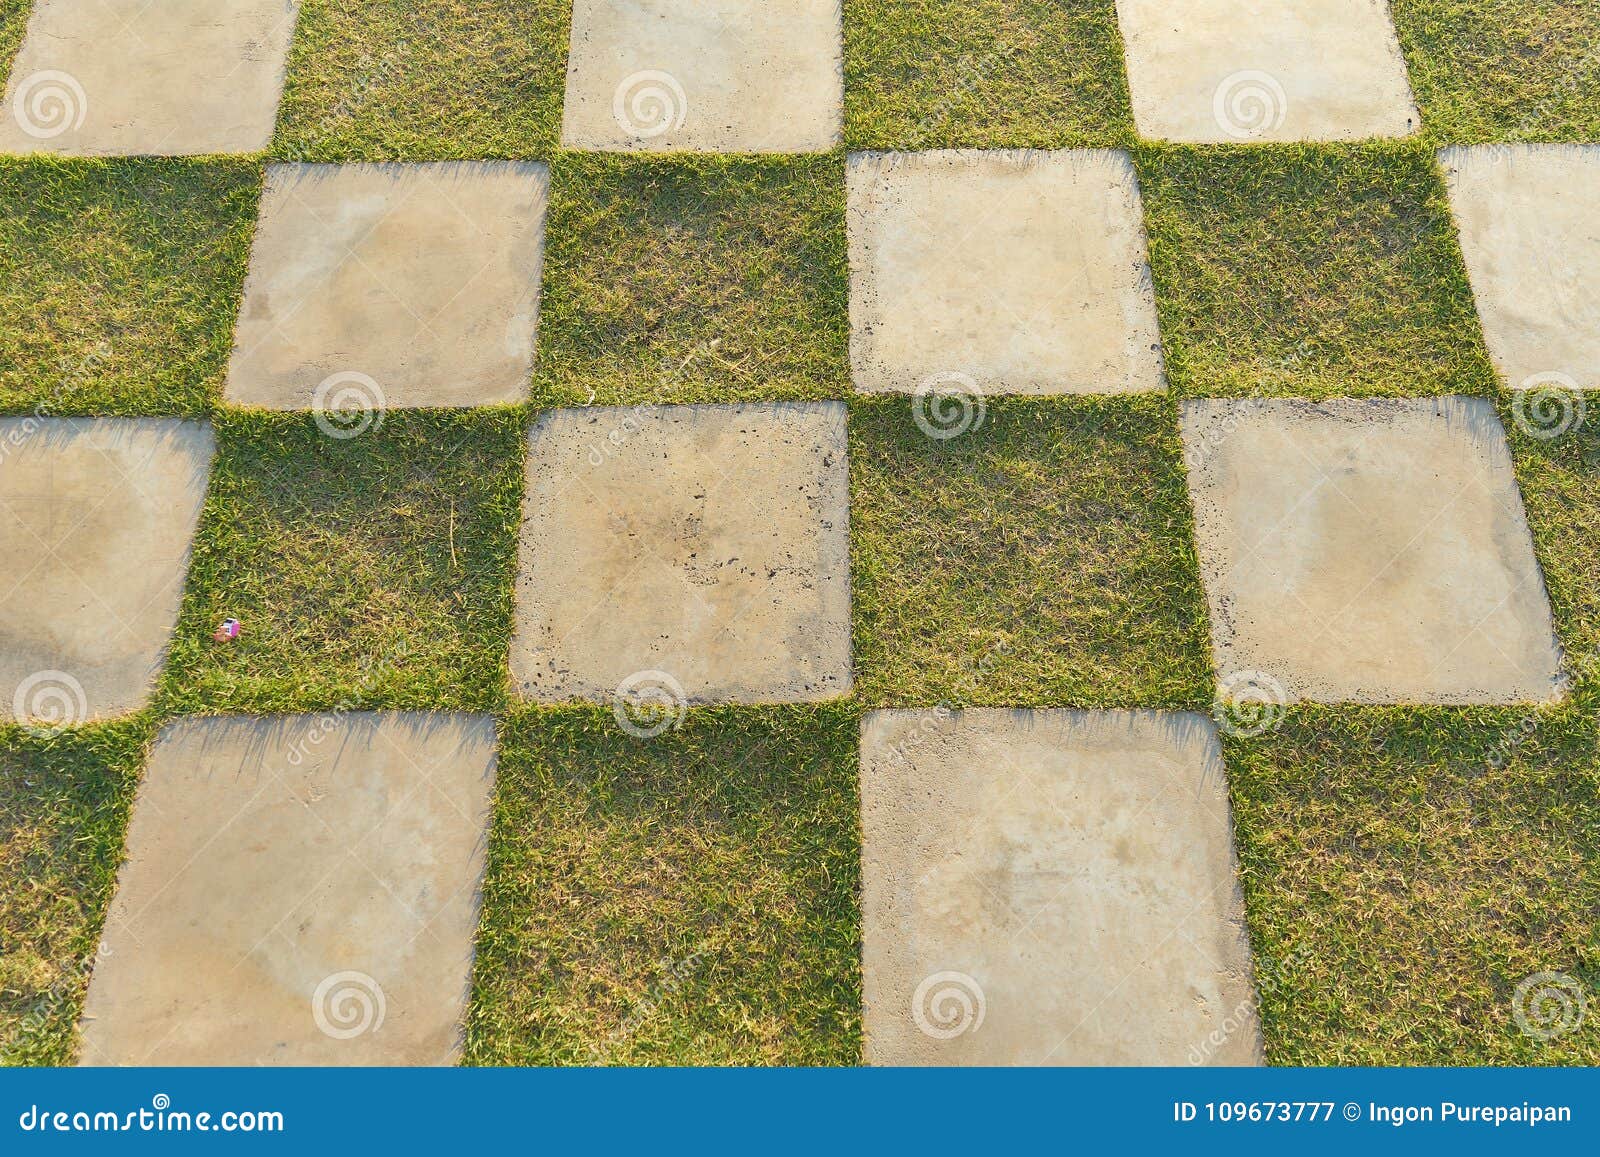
[430,523]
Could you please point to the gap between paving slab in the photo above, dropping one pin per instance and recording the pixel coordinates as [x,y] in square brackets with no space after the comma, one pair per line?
[1050,887]
[1013,271]
[374,286]
[719,76]
[136,77]
[1529,218]
[96,521]
[1367,550]
[1229,71]
[702,550]
[298,890]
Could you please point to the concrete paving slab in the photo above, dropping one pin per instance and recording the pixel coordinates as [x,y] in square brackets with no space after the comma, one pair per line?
[1368,550]
[96,520]
[1050,888]
[1013,271]
[718,76]
[701,549]
[1529,217]
[374,286]
[298,890]
[131,77]
[1226,71]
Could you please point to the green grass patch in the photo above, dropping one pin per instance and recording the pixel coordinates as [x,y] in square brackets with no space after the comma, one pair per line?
[1309,271]
[64,803]
[13,24]
[1560,481]
[686,900]
[1503,70]
[695,279]
[928,74]
[424,80]
[1045,558]
[1400,885]
[119,282]
[368,572]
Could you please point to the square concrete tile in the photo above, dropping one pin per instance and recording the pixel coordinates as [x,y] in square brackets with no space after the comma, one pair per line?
[173,78]
[1018,272]
[1368,550]
[716,76]
[374,286]
[299,890]
[704,550]
[96,519]
[1262,70]
[1530,231]
[1050,888]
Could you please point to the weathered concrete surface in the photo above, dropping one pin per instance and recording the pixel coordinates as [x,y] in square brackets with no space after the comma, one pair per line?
[174,78]
[718,76]
[709,543]
[1262,70]
[96,518]
[1023,271]
[422,278]
[299,890]
[1530,230]
[1370,550]
[1070,873]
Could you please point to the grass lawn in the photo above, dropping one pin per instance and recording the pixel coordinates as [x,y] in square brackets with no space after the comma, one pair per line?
[119,282]
[412,80]
[374,571]
[930,74]
[64,802]
[1503,70]
[1044,558]
[687,900]
[711,279]
[1308,271]
[13,23]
